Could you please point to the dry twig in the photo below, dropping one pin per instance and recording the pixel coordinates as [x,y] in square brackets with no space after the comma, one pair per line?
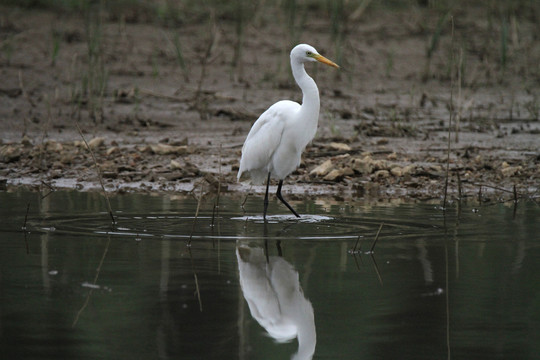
[100,175]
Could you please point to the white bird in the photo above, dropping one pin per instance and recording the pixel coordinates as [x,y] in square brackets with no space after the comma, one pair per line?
[275,143]
[271,287]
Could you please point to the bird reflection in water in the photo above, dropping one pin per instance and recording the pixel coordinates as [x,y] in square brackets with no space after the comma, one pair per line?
[272,290]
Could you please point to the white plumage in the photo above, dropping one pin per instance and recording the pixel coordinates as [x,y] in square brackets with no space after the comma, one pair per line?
[274,145]
[271,287]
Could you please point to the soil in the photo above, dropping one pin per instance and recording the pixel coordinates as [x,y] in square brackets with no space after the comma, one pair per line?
[165,105]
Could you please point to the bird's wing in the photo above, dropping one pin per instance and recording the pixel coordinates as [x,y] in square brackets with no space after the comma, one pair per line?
[265,136]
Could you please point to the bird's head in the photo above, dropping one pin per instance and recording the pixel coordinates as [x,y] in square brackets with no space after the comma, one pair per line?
[306,53]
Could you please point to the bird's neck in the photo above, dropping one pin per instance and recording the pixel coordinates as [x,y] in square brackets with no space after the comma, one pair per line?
[310,100]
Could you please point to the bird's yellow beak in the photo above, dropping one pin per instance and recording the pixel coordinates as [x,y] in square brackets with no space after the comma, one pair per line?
[324,60]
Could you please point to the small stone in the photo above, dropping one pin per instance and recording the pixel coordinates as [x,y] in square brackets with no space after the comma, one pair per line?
[164,149]
[396,171]
[191,169]
[408,170]
[112,150]
[108,166]
[363,165]
[508,171]
[380,164]
[348,171]
[26,142]
[9,153]
[174,176]
[66,158]
[212,180]
[96,142]
[53,146]
[381,174]
[174,165]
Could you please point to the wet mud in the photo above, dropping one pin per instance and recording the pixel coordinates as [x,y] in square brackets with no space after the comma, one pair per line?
[166,106]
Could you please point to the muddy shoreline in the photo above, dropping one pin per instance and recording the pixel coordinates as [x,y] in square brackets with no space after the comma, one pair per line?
[160,127]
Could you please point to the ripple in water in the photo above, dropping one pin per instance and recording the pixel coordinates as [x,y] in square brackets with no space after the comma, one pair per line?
[183,226]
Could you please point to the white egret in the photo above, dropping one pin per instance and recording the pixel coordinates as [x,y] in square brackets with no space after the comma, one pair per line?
[271,287]
[275,143]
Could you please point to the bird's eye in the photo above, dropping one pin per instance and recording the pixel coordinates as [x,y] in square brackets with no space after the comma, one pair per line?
[309,53]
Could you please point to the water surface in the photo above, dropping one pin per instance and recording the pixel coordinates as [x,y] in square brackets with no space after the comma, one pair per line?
[459,284]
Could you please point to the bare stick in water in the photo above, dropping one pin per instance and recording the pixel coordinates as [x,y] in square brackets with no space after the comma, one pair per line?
[98,270]
[196,216]
[460,194]
[26,216]
[197,290]
[376,238]
[480,194]
[24,228]
[100,175]
[216,203]
[51,189]
[356,245]
[376,267]
[515,201]
[450,118]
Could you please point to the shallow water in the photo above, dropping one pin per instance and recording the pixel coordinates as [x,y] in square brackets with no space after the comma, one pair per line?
[461,284]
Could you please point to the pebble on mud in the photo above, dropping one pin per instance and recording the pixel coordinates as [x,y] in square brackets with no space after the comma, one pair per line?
[508,171]
[164,149]
[363,165]
[408,170]
[26,142]
[381,174]
[96,142]
[112,150]
[396,171]
[175,165]
[9,153]
[53,146]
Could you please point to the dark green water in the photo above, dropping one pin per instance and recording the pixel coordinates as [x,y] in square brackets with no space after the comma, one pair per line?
[465,285]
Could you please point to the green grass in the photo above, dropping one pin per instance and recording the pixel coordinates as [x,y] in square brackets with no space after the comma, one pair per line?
[504,44]
[55,48]
[179,55]
[7,47]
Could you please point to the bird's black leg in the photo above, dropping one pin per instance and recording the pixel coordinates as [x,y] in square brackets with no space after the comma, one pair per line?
[266,197]
[278,194]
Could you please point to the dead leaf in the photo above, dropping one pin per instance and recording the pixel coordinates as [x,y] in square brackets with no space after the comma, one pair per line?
[340,146]
[322,169]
